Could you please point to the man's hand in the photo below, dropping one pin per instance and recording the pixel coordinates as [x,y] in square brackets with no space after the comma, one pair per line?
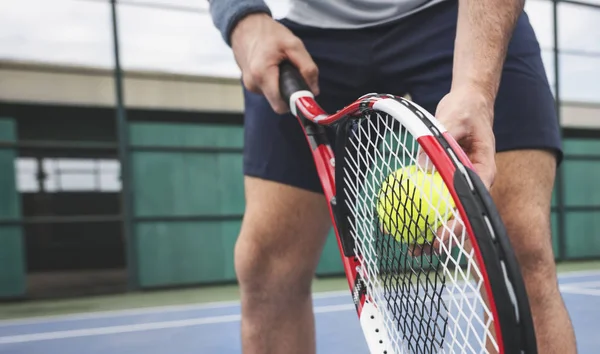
[468,116]
[483,33]
[259,44]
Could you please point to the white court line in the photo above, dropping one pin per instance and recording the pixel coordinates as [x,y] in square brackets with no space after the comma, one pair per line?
[146,310]
[117,313]
[579,291]
[582,284]
[578,273]
[131,328]
[190,307]
[34,337]
[142,327]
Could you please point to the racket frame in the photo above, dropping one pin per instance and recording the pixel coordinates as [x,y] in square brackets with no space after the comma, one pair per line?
[464,185]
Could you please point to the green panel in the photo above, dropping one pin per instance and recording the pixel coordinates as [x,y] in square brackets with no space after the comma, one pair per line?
[582,234]
[187,184]
[12,269]
[582,146]
[555,241]
[581,182]
[186,252]
[7,129]
[163,134]
[331,261]
[10,202]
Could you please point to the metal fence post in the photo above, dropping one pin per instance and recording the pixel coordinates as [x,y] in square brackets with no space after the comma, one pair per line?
[123,137]
[562,244]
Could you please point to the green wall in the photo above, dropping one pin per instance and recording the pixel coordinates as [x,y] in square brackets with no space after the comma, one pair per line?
[582,190]
[189,202]
[12,262]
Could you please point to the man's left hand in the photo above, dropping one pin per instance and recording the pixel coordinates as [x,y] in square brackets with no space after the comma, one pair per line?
[468,115]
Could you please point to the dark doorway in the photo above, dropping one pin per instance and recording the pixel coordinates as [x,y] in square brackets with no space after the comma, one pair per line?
[68,177]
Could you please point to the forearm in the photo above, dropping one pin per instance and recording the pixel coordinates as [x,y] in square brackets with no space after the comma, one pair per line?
[227,13]
[483,32]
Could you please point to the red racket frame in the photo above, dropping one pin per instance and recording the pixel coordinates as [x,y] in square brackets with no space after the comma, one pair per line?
[313,119]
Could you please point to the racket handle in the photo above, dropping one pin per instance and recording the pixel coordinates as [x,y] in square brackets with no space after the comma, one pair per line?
[290,81]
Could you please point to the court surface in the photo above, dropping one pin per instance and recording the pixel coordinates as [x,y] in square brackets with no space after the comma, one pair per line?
[214,327]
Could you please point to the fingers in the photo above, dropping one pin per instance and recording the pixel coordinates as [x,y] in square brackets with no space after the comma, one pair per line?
[446,238]
[259,45]
[297,54]
[270,89]
[484,162]
[295,51]
[486,172]
[478,143]
[263,78]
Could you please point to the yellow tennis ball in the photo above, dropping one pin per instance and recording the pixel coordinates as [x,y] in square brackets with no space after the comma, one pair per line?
[407,204]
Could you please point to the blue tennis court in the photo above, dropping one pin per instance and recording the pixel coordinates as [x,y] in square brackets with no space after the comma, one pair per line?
[214,327]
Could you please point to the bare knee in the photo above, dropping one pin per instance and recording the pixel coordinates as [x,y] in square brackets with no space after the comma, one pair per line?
[265,272]
[530,235]
[522,192]
[281,240]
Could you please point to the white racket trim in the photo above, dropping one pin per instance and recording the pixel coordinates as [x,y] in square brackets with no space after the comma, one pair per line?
[297,95]
[407,118]
[374,329]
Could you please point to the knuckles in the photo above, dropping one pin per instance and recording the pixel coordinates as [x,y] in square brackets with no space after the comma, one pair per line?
[255,71]
[249,83]
[292,42]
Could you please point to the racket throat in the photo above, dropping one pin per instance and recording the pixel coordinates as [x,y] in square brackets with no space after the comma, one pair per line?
[375,332]
[341,221]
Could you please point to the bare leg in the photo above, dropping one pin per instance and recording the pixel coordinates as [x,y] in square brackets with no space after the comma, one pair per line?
[276,256]
[522,192]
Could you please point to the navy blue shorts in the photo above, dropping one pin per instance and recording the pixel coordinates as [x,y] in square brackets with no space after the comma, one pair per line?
[413,56]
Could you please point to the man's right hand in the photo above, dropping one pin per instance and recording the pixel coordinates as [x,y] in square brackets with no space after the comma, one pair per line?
[259,45]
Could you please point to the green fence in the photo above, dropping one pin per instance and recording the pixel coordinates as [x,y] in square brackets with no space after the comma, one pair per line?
[189,201]
[12,263]
[582,199]
[188,204]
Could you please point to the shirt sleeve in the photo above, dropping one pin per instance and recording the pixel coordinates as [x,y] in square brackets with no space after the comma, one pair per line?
[227,13]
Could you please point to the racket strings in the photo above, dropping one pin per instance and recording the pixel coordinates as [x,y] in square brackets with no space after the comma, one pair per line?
[431,303]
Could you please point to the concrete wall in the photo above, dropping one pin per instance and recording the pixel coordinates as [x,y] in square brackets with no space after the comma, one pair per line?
[33,82]
[71,85]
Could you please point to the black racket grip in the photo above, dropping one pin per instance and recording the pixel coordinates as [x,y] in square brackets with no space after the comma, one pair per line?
[290,81]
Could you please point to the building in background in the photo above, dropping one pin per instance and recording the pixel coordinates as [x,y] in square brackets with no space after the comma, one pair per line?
[62,226]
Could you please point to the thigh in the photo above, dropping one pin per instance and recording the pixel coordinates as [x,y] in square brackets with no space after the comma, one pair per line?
[286,218]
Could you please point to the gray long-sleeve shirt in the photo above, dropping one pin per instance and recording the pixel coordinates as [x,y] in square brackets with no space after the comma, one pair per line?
[319,13]
[352,13]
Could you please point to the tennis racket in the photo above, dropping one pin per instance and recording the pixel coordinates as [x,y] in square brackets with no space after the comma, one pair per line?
[450,283]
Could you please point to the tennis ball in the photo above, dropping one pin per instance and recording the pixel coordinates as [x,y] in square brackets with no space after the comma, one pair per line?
[407,203]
